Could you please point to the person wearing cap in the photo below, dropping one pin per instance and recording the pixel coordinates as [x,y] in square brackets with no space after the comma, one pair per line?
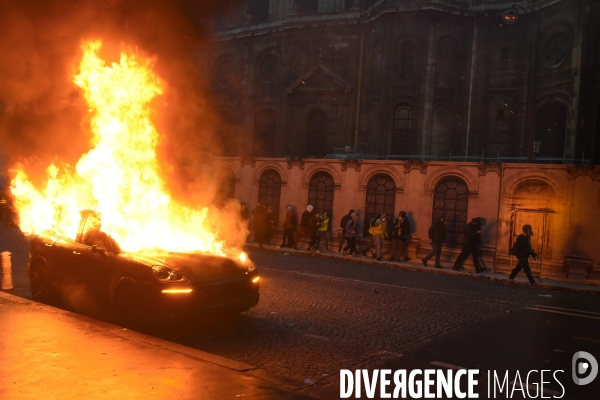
[472,233]
[522,249]
[303,227]
[437,238]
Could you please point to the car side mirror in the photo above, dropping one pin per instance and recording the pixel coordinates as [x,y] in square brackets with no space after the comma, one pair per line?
[96,249]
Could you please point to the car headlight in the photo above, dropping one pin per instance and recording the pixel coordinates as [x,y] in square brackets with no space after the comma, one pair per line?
[165,274]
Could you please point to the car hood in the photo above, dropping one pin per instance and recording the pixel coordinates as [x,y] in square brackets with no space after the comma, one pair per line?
[195,266]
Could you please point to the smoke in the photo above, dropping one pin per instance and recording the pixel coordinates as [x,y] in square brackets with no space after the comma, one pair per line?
[43,114]
[41,110]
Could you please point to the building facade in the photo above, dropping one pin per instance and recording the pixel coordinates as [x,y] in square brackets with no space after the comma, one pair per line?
[408,79]
[560,202]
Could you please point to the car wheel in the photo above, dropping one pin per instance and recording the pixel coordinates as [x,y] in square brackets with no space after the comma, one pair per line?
[41,289]
[127,305]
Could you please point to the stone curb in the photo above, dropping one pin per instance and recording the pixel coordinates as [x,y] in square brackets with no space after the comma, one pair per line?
[556,285]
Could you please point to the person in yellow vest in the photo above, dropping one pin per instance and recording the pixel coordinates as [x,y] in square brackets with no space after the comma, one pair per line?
[379,230]
[323,232]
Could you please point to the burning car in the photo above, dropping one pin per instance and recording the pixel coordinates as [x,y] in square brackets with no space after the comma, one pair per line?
[138,285]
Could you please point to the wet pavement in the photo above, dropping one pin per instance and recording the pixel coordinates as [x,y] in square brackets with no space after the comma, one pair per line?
[46,352]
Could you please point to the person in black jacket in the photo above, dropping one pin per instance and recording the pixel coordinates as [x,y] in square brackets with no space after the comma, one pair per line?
[343,224]
[437,238]
[303,227]
[472,233]
[522,249]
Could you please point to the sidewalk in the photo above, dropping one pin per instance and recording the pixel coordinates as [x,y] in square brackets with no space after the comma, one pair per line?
[51,353]
[416,265]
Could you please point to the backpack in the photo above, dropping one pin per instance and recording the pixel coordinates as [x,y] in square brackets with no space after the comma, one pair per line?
[373,222]
[514,250]
[344,221]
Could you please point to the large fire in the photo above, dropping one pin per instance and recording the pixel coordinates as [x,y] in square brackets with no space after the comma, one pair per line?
[119,176]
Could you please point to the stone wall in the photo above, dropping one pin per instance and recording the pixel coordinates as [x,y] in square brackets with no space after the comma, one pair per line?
[561,202]
[472,84]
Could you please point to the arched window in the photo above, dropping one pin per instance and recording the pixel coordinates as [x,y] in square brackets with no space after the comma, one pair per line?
[401,140]
[316,134]
[320,193]
[551,128]
[451,199]
[445,63]
[265,129]
[269,190]
[406,66]
[226,189]
[381,198]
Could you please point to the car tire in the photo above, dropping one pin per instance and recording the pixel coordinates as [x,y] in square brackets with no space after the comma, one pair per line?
[41,289]
[127,305]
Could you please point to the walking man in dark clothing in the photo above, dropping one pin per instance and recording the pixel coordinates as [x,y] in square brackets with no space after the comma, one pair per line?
[303,228]
[437,238]
[522,249]
[400,238]
[472,234]
[343,224]
[350,233]
[313,230]
[289,226]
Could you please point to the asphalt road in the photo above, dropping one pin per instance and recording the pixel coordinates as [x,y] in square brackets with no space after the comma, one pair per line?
[318,315]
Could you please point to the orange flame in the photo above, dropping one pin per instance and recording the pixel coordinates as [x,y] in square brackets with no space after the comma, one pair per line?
[119,176]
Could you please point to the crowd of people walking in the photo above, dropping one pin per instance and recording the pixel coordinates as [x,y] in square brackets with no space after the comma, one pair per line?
[317,225]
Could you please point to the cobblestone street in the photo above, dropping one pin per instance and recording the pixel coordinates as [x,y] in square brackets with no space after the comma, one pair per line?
[318,315]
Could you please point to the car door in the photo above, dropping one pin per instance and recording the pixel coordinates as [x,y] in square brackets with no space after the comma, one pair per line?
[69,259]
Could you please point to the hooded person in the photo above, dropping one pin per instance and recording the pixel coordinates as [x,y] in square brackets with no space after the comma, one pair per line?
[303,227]
[472,233]
[522,249]
[350,233]
[437,238]
[289,226]
[342,230]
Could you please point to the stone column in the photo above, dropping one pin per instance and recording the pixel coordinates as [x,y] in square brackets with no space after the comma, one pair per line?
[427,91]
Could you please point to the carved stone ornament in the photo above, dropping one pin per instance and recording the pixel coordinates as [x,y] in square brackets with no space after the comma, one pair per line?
[299,162]
[420,165]
[248,160]
[356,164]
[574,171]
[485,167]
